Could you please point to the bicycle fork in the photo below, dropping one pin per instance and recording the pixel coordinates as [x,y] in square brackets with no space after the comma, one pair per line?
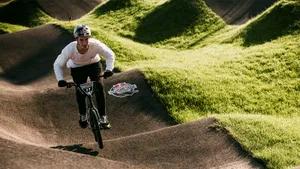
[90,108]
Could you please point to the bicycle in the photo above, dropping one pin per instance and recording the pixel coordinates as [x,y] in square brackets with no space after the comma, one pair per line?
[93,116]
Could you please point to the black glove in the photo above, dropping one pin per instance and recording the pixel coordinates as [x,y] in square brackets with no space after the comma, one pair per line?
[107,73]
[62,83]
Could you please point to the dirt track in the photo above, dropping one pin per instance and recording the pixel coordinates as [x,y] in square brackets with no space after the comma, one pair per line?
[39,121]
[37,115]
[237,12]
[68,10]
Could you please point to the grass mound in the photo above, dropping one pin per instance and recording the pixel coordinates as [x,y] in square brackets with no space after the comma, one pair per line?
[274,139]
[9,28]
[172,24]
[25,13]
[282,19]
[121,17]
[178,23]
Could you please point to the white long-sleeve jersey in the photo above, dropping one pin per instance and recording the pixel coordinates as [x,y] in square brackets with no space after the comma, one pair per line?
[72,58]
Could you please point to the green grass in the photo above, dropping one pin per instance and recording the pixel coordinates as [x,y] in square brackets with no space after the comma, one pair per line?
[274,139]
[9,28]
[246,76]
[172,24]
[23,13]
[272,24]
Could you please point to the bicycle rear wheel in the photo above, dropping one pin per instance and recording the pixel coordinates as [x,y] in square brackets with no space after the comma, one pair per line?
[96,128]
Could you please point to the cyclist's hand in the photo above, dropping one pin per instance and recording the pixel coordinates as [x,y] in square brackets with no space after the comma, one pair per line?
[62,83]
[107,74]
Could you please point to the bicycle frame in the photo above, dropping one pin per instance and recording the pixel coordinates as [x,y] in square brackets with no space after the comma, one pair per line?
[87,89]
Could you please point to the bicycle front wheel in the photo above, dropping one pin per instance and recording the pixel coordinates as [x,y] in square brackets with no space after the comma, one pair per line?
[96,128]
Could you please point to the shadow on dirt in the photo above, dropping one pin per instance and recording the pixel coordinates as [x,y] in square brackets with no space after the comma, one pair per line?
[77,148]
[29,55]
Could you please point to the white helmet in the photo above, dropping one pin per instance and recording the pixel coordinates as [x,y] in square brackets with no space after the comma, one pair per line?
[82,31]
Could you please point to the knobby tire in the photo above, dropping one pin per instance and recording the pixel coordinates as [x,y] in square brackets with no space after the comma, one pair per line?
[96,129]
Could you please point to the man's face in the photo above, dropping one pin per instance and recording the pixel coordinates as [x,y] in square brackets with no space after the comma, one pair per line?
[83,42]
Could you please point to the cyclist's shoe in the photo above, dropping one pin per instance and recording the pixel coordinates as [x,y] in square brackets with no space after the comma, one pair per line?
[104,122]
[83,121]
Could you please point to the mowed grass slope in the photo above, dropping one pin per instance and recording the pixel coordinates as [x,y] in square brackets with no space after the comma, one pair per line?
[25,13]
[246,76]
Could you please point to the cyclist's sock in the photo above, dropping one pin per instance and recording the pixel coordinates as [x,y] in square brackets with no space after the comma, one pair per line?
[83,121]
[82,118]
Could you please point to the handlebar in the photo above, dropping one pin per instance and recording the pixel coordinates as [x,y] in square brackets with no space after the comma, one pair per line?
[85,88]
[70,84]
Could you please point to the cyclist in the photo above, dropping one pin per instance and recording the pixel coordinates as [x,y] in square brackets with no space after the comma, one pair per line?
[82,57]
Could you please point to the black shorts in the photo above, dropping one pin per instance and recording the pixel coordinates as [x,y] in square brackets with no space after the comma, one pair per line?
[80,74]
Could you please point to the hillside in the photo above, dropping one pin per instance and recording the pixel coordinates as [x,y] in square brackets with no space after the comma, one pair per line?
[211,94]
[25,13]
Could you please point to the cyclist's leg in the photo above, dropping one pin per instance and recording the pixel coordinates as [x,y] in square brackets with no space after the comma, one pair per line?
[94,71]
[79,76]
[100,98]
